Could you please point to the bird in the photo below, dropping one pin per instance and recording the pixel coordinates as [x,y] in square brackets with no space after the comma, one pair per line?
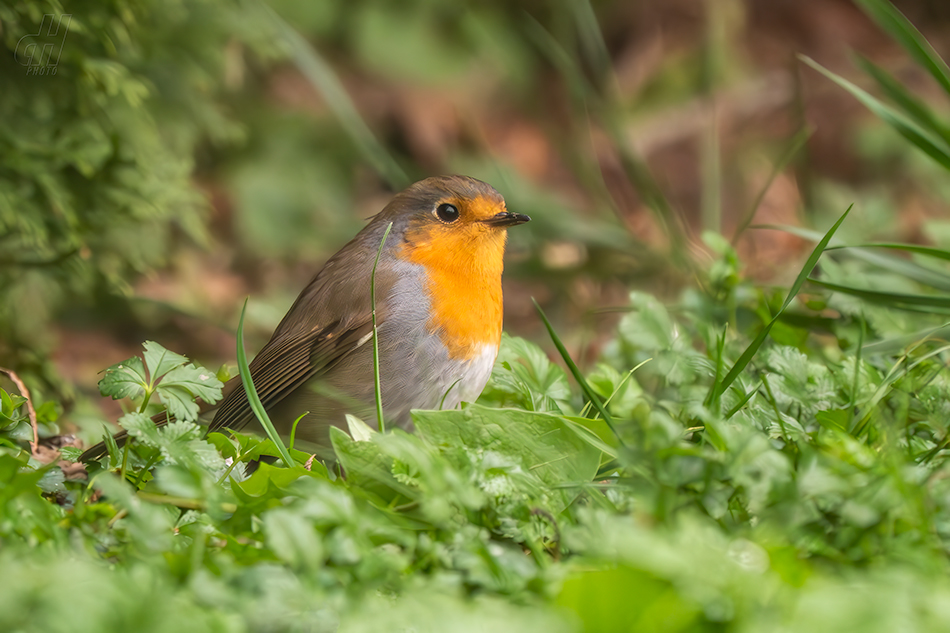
[438,312]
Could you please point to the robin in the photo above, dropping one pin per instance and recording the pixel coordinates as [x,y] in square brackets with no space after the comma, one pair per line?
[438,313]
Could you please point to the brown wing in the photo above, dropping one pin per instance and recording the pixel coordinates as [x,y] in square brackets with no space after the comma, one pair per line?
[329,320]
[284,365]
[326,322]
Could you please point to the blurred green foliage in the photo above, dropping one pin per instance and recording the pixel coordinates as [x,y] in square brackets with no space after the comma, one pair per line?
[97,149]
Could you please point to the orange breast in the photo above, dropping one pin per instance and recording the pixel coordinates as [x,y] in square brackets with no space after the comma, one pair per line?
[463,279]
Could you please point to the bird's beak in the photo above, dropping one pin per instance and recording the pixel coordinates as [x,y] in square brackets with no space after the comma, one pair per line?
[506,218]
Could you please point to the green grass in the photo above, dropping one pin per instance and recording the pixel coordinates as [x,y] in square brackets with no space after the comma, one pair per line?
[816,486]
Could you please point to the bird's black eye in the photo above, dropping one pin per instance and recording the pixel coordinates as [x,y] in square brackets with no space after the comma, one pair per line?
[447,212]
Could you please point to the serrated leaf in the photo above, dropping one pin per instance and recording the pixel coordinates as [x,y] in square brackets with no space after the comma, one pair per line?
[160,361]
[180,403]
[70,453]
[199,382]
[292,538]
[524,377]
[124,380]
[180,386]
[139,426]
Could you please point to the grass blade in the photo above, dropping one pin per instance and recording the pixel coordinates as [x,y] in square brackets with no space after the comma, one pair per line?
[933,146]
[898,266]
[252,397]
[591,104]
[901,29]
[372,293]
[891,299]
[927,251]
[718,389]
[894,345]
[578,376]
[913,107]
[797,143]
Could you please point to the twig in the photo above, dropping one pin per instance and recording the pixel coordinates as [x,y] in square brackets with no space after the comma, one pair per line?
[34,444]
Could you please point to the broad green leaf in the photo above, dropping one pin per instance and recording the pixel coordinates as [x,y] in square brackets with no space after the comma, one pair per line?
[651,604]
[359,430]
[837,419]
[367,468]
[269,481]
[224,445]
[546,445]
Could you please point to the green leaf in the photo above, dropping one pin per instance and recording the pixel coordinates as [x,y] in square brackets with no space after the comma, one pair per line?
[359,430]
[224,445]
[836,419]
[180,386]
[367,468]
[198,381]
[898,266]
[140,426]
[292,538]
[545,445]
[160,361]
[524,376]
[124,380]
[651,604]
[270,481]
[928,251]
[70,453]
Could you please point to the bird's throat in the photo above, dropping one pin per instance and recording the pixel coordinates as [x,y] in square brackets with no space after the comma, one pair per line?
[463,281]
